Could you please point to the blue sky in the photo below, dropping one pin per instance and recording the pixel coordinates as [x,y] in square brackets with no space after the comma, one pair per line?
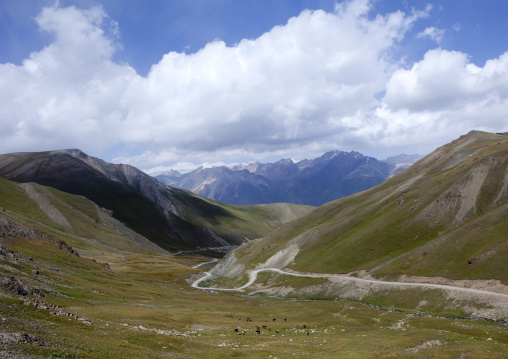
[176,84]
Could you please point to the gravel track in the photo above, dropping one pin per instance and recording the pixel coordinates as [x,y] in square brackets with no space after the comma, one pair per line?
[253,276]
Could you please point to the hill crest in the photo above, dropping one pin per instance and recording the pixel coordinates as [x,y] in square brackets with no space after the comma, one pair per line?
[444,216]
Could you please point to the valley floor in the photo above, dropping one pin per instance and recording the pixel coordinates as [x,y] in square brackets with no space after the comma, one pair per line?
[143,307]
[491,293]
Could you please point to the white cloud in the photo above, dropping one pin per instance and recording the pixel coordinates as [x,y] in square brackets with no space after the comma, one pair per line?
[433,33]
[445,80]
[67,94]
[296,91]
[294,86]
[443,96]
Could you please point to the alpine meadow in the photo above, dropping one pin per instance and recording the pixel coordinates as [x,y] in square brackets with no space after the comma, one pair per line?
[253,179]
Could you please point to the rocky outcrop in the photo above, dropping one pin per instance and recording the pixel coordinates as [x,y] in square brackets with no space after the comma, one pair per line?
[17,286]
[11,229]
[6,255]
[21,337]
[40,304]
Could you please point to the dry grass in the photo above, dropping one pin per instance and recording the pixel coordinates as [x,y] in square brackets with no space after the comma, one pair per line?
[143,306]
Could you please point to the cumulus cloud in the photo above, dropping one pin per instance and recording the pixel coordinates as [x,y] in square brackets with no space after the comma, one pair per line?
[67,94]
[298,90]
[433,33]
[294,87]
[446,81]
[445,94]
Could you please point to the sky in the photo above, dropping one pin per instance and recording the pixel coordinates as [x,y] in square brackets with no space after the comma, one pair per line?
[177,84]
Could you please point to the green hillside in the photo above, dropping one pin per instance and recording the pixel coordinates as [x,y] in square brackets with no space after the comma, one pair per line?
[238,224]
[72,218]
[428,220]
[76,283]
[172,219]
[69,174]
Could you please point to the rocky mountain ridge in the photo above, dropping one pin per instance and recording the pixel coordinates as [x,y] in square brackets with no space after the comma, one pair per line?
[313,182]
[171,218]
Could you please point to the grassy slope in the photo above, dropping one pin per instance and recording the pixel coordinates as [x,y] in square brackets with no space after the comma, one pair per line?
[87,231]
[70,174]
[144,308]
[236,223]
[403,217]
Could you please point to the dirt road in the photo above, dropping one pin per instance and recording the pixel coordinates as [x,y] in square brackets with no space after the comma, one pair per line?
[253,276]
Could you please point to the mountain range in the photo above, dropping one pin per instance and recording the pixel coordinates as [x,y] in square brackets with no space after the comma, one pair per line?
[413,267]
[171,218]
[446,215]
[313,182]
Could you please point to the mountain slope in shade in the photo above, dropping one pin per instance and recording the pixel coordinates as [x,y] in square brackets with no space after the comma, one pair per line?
[29,210]
[445,216]
[171,218]
[312,182]
[115,187]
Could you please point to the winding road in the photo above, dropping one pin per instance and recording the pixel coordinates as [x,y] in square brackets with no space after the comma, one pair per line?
[254,274]
[203,263]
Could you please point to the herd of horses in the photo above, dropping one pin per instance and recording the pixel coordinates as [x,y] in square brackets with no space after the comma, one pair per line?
[265,327]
